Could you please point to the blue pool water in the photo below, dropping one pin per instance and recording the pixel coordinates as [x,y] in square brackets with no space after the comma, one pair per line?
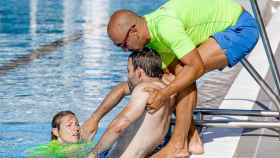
[75,76]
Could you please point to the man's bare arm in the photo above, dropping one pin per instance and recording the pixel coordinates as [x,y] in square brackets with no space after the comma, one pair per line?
[110,101]
[192,69]
[130,113]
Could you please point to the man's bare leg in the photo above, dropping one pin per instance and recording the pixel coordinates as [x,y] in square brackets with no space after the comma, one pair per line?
[213,57]
[176,146]
[190,131]
[194,142]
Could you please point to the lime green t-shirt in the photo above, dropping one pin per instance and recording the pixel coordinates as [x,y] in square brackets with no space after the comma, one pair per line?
[54,149]
[179,26]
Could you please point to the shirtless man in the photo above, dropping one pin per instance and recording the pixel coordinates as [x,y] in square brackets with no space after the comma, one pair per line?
[148,130]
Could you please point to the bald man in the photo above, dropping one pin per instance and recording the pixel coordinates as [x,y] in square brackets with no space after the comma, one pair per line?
[192,37]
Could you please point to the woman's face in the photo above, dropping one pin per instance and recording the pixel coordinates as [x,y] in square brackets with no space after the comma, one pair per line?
[69,131]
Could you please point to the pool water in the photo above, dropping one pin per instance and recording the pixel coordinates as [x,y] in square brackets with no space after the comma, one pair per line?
[74,75]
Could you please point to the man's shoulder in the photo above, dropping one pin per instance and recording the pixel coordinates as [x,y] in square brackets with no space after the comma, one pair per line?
[149,84]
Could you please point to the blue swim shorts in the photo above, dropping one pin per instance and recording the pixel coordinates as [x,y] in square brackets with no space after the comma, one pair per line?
[238,41]
[104,154]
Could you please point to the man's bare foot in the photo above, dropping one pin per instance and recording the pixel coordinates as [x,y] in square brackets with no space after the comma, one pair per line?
[172,151]
[183,153]
[196,144]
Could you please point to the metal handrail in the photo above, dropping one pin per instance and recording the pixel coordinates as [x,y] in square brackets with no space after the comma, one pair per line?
[238,124]
[266,44]
[262,83]
[236,112]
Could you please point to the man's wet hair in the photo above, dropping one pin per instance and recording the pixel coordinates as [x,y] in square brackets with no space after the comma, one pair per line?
[56,121]
[148,60]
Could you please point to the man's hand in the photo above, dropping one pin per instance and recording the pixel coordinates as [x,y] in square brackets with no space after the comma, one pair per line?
[156,99]
[168,78]
[89,129]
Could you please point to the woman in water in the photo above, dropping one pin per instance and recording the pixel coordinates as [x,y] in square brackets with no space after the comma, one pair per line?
[65,139]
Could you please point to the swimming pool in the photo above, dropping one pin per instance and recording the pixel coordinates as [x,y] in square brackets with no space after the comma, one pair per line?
[73,76]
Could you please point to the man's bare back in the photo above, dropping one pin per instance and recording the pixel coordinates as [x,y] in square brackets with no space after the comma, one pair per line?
[145,134]
[134,133]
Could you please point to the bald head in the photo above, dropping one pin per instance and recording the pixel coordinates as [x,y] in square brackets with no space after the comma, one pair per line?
[120,22]
[127,28]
